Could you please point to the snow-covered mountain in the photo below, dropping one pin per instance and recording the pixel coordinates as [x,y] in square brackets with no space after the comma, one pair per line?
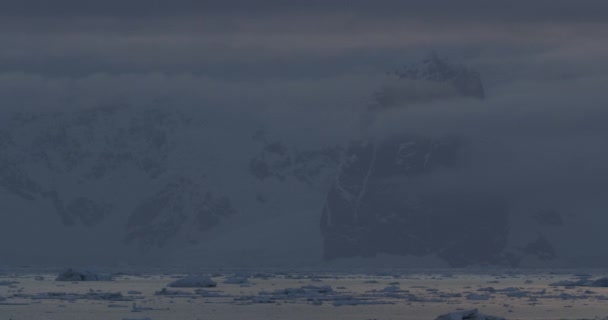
[128,184]
[378,202]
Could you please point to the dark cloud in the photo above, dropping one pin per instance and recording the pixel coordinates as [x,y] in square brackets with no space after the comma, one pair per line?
[549,10]
[278,39]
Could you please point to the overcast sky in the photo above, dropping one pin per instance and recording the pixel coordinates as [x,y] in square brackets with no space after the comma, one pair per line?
[305,54]
[295,39]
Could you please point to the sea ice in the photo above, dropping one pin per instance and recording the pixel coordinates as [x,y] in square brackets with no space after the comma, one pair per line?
[601,282]
[236,280]
[193,282]
[468,315]
[474,296]
[82,275]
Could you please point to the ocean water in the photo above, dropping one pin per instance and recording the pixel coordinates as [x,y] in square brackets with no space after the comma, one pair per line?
[303,295]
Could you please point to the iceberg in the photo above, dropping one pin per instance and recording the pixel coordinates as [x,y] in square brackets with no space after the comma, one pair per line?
[469,315]
[193,282]
[82,275]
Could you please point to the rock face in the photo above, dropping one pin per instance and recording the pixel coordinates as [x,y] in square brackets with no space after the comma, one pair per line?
[432,79]
[160,217]
[375,206]
[144,179]
[276,160]
[73,160]
[377,203]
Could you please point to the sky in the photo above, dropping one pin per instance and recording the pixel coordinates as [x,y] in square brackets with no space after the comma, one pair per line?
[49,46]
[306,68]
[303,55]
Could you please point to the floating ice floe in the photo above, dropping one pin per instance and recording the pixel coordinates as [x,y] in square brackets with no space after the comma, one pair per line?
[173,293]
[357,301]
[468,315]
[91,295]
[475,296]
[193,282]
[314,295]
[600,283]
[208,294]
[511,292]
[236,280]
[392,288]
[82,275]
[136,308]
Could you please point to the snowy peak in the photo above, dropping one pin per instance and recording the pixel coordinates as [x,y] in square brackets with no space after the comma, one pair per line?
[432,79]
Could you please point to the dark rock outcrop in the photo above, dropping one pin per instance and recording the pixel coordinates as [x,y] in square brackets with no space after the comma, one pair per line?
[432,79]
[377,203]
[375,206]
[163,215]
[277,161]
[71,160]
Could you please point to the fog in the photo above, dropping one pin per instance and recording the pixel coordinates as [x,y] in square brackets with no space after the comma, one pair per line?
[199,91]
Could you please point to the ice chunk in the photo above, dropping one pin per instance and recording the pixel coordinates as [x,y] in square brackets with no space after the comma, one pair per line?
[193,281]
[236,280]
[82,275]
[474,296]
[601,282]
[569,283]
[289,291]
[318,289]
[135,308]
[392,288]
[165,292]
[91,295]
[349,301]
[208,294]
[469,315]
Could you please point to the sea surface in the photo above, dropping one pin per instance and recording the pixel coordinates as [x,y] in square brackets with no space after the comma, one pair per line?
[256,295]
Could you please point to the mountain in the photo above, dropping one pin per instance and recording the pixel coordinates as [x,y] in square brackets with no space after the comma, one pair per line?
[377,203]
[90,166]
[430,80]
[164,185]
